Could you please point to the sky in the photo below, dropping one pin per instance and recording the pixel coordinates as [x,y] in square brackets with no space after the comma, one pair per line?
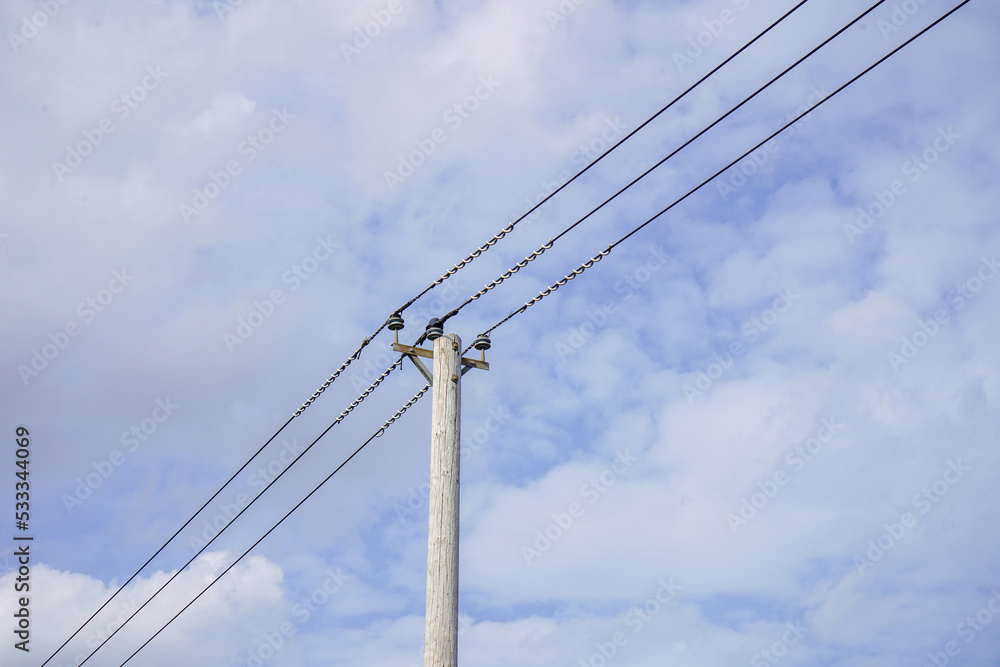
[761,431]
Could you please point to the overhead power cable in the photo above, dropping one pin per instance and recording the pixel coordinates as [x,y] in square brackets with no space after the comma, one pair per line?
[555,286]
[604,253]
[367,340]
[546,246]
[506,230]
[169,540]
[378,433]
[510,227]
[350,408]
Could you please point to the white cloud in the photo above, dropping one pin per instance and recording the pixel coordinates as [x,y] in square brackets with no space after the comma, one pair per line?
[872,220]
[60,601]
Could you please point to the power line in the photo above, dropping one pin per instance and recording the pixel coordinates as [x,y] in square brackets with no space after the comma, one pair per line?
[506,230]
[339,419]
[510,227]
[457,267]
[545,292]
[546,246]
[378,433]
[169,540]
[604,253]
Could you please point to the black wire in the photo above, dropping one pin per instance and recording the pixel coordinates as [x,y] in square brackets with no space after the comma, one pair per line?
[613,245]
[354,356]
[169,540]
[397,364]
[687,143]
[369,338]
[377,433]
[607,250]
[409,303]
[623,140]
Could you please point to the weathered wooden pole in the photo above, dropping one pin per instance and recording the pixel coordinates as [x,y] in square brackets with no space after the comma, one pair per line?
[441,630]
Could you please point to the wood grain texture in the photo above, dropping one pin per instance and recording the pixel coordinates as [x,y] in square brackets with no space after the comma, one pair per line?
[441,630]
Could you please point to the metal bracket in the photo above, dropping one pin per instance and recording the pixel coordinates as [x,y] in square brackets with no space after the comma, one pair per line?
[414,353]
[469,364]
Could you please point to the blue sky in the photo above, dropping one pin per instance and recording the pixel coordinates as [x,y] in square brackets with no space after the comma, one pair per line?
[762,431]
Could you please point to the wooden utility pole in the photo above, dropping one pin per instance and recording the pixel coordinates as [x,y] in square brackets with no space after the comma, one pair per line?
[441,630]
[441,622]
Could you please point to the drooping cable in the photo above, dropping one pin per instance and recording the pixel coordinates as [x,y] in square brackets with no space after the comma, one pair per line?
[169,540]
[468,259]
[378,433]
[350,408]
[464,262]
[586,265]
[604,253]
[546,246]
[506,230]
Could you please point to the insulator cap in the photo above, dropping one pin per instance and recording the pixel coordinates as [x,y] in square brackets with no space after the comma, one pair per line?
[434,329]
[482,343]
[395,323]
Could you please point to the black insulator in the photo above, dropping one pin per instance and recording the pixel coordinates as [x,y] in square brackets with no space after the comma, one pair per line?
[434,329]
[395,323]
[482,343]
